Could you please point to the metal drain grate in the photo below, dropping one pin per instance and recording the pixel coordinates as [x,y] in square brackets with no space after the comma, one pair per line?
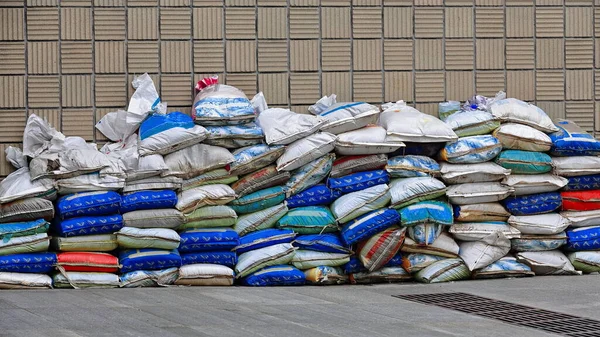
[511,313]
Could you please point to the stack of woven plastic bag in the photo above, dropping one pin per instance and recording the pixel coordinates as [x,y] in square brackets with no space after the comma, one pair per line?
[25,213]
[575,157]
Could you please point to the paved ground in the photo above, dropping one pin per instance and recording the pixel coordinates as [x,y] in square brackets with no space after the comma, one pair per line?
[299,311]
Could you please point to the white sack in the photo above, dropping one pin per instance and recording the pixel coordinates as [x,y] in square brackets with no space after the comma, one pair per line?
[582,218]
[552,262]
[472,173]
[154,218]
[542,224]
[576,166]
[408,124]
[195,160]
[283,126]
[517,111]
[18,185]
[206,195]
[344,117]
[474,231]
[365,141]
[476,193]
[482,253]
[171,140]
[88,183]
[524,184]
[522,137]
[15,156]
[24,280]
[153,183]
[39,136]
[355,204]
[406,190]
[306,150]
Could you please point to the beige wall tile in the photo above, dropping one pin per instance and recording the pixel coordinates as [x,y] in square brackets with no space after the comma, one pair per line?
[520,83]
[429,55]
[367,22]
[42,23]
[367,54]
[490,54]
[176,89]
[367,86]
[304,55]
[208,23]
[397,22]
[459,22]
[336,55]
[398,54]
[77,91]
[241,56]
[76,23]
[488,83]
[550,85]
[549,22]
[519,22]
[12,91]
[429,86]
[12,124]
[520,54]
[209,56]
[245,82]
[142,23]
[176,56]
[111,91]
[459,85]
[79,123]
[555,110]
[272,23]
[275,87]
[175,23]
[550,53]
[429,22]
[110,57]
[12,25]
[460,54]
[240,23]
[76,57]
[579,22]
[335,23]
[399,86]
[109,24]
[304,88]
[581,113]
[579,53]
[489,22]
[339,83]
[12,60]
[579,84]
[44,91]
[304,23]
[142,56]
[273,55]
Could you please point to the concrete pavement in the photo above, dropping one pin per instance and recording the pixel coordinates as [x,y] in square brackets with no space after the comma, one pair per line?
[285,311]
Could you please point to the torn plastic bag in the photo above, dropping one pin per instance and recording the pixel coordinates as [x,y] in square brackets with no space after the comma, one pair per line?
[482,253]
[408,124]
[39,136]
[168,133]
[72,163]
[88,183]
[18,185]
[283,126]
[195,160]
[15,156]
[136,167]
[220,104]
[368,140]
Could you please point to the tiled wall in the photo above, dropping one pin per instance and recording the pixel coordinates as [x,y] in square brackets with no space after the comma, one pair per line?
[72,61]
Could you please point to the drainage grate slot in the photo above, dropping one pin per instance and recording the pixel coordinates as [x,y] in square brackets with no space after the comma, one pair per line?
[511,313]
